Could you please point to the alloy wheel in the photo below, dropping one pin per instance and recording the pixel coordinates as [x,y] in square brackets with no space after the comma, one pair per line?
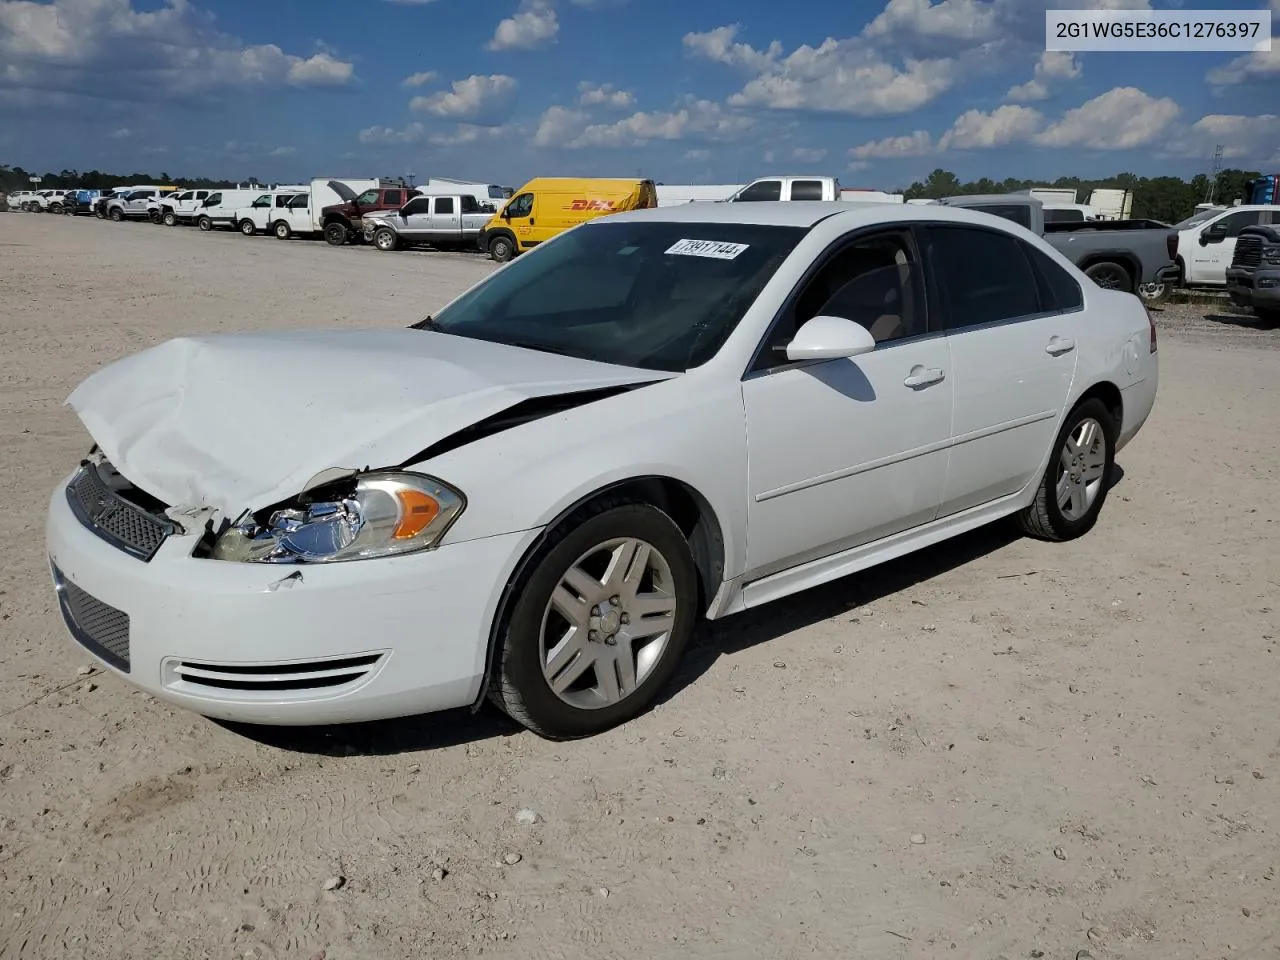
[1082,468]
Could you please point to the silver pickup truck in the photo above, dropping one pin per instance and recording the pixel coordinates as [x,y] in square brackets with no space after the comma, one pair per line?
[1136,256]
[450,221]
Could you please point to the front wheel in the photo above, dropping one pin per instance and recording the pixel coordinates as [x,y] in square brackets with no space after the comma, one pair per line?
[56,208]
[100,213]
[247,228]
[599,625]
[335,234]
[170,218]
[204,223]
[282,230]
[502,249]
[1075,483]
[116,215]
[1110,276]
[385,239]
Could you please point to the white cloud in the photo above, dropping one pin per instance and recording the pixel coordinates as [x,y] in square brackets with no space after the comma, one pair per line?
[465,133]
[856,166]
[479,99]
[558,125]
[808,154]
[124,133]
[950,24]
[1262,64]
[533,25]
[412,3]
[1251,139]
[606,94]
[1120,119]
[693,119]
[413,133]
[283,152]
[698,155]
[838,76]
[109,50]
[1052,65]
[917,144]
[420,79]
[975,130]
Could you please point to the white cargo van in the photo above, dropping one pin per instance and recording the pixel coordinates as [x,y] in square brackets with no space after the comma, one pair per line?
[220,207]
[303,215]
[268,207]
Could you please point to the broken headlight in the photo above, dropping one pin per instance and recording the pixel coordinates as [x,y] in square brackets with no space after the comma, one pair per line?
[376,515]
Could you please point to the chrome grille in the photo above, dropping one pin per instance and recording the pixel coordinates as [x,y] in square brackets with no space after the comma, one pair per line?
[1248,252]
[113,518]
[99,627]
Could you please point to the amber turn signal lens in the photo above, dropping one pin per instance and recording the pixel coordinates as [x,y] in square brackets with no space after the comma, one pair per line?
[417,510]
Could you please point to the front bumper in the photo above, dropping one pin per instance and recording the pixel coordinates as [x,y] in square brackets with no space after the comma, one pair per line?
[1254,287]
[1167,274]
[284,645]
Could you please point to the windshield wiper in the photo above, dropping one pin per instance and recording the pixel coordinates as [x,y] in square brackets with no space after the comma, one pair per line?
[542,347]
[426,323]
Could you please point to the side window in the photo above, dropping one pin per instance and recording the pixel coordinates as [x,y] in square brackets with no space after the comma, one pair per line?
[416,205]
[300,202]
[444,205]
[392,198]
[262,201]
[982,275]
[202,194]
[470,205]
[1063,216]
[282,200]
[806,189]
[874,281]
[369,196]
[1017,212]
[521,206]
[1236,222]
[764,190]
[214,200]
[1059,292]
[184,196]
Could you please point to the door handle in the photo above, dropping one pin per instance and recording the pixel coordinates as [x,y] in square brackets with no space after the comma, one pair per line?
[532,221]
[920,377]
[1059,346]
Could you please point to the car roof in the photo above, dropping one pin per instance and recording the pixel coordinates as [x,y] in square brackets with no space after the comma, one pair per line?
[844,214]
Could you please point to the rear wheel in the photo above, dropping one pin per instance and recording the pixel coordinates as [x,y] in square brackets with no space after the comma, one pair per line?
[502,249]
[204,223]
[385,239]
[335,234]
[1110,276]
[1075,483]
[247,228]
[281,230]
[598,627]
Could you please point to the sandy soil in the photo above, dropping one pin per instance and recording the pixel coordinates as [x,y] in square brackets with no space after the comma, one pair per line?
[1084,736]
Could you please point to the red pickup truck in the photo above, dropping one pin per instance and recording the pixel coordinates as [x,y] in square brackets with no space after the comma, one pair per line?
[342,221]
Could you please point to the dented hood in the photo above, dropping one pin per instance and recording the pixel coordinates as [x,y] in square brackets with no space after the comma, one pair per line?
[243,421]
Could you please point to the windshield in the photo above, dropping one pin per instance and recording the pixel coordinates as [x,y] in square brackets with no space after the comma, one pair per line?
[1196,220]
[659,296]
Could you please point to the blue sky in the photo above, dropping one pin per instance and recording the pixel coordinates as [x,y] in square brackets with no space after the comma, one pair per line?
[877,93]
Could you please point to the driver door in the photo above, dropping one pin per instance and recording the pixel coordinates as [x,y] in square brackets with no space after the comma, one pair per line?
[518,215]
[847,451]
[298,213]
[1209,261]
[415,217]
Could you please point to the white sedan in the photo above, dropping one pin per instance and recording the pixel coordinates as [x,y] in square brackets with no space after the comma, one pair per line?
[535,495]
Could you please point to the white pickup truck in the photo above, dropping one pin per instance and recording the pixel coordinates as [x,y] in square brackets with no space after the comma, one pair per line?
[1207,241]
[180,207]
[788,188]
[268,209]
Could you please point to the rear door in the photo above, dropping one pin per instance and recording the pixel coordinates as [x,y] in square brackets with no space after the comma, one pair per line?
[1010,314]
[806,190]
[445,219]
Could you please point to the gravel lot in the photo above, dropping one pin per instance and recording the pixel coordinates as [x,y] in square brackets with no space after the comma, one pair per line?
[994,748]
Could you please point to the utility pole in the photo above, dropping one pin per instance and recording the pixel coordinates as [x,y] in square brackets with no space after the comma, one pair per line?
[1213,175]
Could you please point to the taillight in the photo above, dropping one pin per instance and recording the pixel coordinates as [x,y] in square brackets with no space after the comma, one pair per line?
[1151,323]
[1171,242]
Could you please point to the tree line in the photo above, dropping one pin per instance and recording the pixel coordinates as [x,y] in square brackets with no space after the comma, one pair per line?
[16,178]
[1169,199]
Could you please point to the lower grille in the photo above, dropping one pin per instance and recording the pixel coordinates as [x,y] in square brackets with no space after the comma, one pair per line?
[98,627]
[276,677]
[120,522]
[1248,252]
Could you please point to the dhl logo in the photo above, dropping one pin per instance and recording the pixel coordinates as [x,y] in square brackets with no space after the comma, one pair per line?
[591,205]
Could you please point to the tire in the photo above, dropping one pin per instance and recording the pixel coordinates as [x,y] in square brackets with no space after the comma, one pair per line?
[56,208]
[204,223]
[154,216]
[1047,518]
[247,228]
[1155,292]
[116,215]
[385,239]
[502,249]
[281,230]
[335,234]
[591,702]
[100,213]
[1110,276]
[169,218]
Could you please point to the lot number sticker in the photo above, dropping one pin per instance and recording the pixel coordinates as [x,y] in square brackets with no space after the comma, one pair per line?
[714,249]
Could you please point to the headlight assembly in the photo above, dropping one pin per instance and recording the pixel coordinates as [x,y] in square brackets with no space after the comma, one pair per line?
[375,515]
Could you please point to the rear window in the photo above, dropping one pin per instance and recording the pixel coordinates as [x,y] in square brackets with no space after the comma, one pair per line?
[1064,216]
[658,296]
[806,189]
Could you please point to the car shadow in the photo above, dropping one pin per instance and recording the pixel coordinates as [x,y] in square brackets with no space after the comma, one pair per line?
[1246,321]
[712,640]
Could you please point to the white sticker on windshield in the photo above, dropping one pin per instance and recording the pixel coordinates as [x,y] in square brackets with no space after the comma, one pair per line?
[716,249]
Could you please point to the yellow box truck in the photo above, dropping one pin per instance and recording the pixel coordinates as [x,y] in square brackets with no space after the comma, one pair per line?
[547,206]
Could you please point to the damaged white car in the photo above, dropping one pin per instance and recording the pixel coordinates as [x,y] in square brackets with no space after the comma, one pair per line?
[658,416]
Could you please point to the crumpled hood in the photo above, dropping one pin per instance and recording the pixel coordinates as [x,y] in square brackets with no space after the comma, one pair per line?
[242,421]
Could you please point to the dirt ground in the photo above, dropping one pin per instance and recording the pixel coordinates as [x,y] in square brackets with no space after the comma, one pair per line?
[995,748]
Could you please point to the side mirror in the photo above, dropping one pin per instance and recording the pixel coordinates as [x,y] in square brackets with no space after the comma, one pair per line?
[1215,234]
[828,338]
[506,213]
